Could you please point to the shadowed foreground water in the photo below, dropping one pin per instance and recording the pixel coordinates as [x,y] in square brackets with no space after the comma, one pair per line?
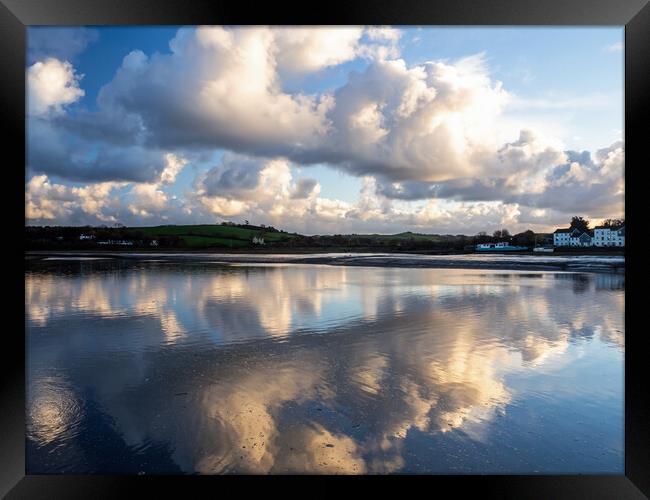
[188,367]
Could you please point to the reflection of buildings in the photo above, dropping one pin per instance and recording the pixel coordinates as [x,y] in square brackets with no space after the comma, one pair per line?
[609,281]
[345,364]
[580,282]
[597,281]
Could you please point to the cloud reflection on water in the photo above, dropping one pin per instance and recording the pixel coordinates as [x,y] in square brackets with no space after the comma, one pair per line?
[302,368]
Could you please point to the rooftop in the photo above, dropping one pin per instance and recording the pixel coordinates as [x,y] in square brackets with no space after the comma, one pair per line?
[611,228]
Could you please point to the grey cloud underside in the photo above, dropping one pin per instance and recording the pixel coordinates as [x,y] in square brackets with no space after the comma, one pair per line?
[234,176]
[571,197]
[50,152]
[62,43]
[109,128]
[239,177]
[461,189]
[304,188]
[598,198]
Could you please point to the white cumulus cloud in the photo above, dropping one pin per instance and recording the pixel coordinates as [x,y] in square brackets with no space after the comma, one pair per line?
[51,84]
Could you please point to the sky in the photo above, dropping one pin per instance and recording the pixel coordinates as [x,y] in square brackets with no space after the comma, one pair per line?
[450,130]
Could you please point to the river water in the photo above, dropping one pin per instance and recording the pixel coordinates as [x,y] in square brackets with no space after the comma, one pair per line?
[157,366]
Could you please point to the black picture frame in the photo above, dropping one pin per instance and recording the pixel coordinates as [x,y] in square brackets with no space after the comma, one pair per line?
[16,15]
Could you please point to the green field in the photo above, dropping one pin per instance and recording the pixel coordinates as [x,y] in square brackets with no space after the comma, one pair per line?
[407,236]
[231,237]
[218,236]
[212,235]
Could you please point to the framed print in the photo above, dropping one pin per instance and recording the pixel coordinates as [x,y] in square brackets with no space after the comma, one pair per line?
[396,239]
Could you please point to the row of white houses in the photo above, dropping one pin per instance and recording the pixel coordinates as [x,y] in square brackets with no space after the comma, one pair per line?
[600,236]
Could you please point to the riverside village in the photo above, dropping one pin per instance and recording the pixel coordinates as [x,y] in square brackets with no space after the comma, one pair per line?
[609,235]
[577,238]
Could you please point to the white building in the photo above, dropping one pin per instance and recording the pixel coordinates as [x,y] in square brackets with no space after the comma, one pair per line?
[258,240]
[579,238]
[601,236]
[584,239]
[116,242]
[609,236]
[572,237]
[562,237]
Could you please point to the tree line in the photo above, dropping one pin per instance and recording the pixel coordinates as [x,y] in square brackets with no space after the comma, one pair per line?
[582,224]
[47,237]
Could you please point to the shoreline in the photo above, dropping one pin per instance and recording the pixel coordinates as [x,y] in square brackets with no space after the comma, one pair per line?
[517,262]
[317,251]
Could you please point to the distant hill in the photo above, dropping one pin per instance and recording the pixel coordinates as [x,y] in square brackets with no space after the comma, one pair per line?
[231,236]
[407,236]
[216,235]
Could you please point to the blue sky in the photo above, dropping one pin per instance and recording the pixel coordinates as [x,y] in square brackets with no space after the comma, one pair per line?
[373,165]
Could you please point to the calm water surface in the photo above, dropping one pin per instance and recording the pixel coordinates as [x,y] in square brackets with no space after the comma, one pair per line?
[189,367]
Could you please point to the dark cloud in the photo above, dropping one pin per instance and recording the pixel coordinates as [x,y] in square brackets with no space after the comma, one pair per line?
[598,199]
[578,186]
[51,151]
[459,189]
[408,190]
[110,128]
[304,188]
[233,176]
